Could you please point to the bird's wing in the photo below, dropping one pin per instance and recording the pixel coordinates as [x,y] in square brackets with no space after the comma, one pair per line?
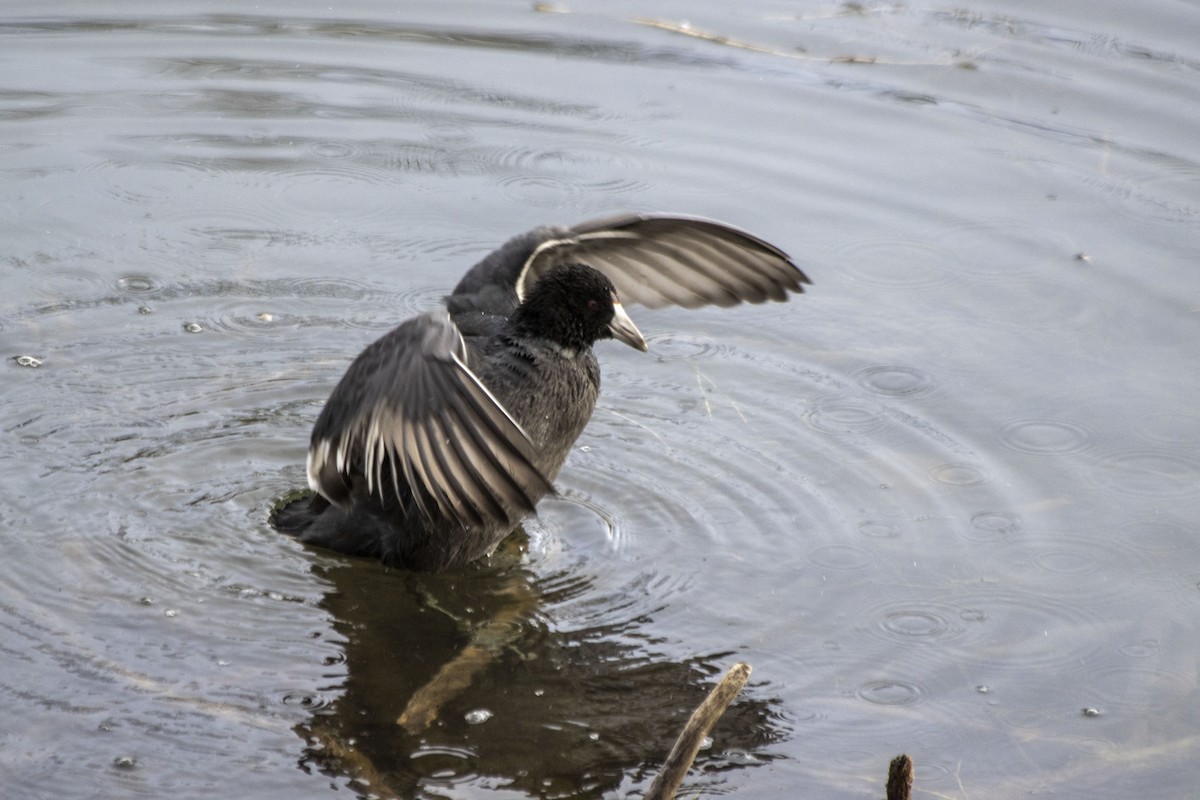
[670,260]
[409,415]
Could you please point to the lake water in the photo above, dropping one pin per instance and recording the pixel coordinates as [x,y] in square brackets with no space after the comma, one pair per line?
[946,503]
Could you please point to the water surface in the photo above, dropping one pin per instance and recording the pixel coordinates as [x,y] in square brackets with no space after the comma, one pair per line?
[946,503]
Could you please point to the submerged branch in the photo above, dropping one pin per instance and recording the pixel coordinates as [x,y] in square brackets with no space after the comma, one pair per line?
[697,727]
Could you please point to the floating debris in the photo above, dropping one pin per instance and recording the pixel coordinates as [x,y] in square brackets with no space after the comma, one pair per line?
[193,327]
[266,316]
[28,361]
[1091,712]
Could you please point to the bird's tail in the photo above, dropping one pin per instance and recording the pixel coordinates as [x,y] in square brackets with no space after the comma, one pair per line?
[296,511]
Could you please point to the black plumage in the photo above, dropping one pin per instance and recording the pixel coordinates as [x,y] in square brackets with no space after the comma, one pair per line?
[446,431]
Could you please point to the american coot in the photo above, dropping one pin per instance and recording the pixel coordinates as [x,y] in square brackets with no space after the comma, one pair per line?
[447,431]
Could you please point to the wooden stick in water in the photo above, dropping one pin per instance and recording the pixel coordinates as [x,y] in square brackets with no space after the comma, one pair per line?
[697,727]
[900,778]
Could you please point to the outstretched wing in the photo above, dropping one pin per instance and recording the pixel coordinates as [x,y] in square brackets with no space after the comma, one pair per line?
[670,260]
[410,418]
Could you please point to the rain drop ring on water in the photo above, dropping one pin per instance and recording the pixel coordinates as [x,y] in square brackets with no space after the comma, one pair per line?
[138,284]
[844,416]
[891,693]
[915,624]
[895,380]
[1046,437]
[958,474]
[840,557]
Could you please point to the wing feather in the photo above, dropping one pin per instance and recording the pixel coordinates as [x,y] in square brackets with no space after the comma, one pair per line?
[670,260]
[410,422]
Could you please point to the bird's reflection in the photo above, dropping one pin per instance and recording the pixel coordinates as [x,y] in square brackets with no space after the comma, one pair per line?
[462,676]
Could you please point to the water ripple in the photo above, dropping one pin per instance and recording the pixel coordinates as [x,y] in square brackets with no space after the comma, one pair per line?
[443,766]
[684,346]
[891,692]
[1002,250]
[1045,436]
[1148,473]
[991,526]
[842,415]
[877,529]
[1168,427]
[840,557]
[918,621]
[959,474]
[1134,687]
[138,284]
[896,264]
[895,380]
[1021,633]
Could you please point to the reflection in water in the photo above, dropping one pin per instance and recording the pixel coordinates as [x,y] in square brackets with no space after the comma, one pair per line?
[555,711]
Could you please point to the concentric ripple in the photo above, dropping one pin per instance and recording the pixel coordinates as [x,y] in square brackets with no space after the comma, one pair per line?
[918,621]
[1001,250]
[1134,687]
[897,264]
[845,415]
[1022,633]
[840,557]
[889,692]
[991,526]
[681,346]
[896,380]
[1149,473]
[959,474]
[1169,427]
[138,284]
[1046,436]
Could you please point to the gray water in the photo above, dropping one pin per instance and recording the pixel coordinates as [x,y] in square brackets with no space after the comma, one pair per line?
[942,503]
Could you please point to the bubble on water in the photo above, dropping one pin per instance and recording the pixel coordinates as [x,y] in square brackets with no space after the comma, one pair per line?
[304,698]
[136,284]
[958,474]
[477,716]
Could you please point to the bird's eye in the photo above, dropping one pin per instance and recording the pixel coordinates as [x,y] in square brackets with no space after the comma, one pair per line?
[592,305]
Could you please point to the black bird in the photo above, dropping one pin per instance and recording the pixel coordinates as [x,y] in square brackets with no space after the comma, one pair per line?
[448,430]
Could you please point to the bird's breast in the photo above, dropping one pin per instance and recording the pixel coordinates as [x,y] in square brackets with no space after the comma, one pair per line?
[552,401]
